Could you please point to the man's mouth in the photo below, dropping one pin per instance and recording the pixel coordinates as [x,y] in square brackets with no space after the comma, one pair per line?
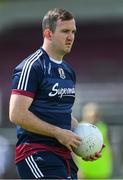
[68,44]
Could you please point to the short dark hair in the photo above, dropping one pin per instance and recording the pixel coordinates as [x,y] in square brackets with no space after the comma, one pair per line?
[52,16]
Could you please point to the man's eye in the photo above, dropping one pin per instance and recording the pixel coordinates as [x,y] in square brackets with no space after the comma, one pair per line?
[65,31]
[73,32]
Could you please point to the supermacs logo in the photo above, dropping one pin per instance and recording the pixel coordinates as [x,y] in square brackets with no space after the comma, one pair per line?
[62,91]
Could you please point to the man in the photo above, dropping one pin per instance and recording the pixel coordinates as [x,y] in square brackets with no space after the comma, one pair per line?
[43,92]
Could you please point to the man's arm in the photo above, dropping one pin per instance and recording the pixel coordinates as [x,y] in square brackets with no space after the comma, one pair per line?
[19,114]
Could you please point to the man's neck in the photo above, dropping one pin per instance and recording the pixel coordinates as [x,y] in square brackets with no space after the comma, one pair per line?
[52,53]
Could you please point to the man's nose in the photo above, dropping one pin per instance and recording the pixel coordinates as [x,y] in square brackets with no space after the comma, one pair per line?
[70,36]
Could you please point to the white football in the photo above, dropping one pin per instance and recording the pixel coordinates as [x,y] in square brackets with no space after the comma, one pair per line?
[92,139]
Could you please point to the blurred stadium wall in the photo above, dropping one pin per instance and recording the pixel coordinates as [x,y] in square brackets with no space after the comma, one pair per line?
[97,58]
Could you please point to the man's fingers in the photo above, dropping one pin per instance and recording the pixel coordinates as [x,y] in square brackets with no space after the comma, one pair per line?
[90,158]
[78,138]
[98,154]
[69,147]
[103,146]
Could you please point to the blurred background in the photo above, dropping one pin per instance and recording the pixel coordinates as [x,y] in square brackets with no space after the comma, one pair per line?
[97,57]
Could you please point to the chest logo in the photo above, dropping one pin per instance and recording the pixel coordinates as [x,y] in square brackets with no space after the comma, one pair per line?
[56,90]
[61,73]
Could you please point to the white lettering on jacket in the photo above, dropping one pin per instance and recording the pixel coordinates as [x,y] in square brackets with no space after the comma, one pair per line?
[62,91]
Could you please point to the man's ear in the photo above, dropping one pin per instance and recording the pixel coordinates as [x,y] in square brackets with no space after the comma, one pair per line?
[47,33]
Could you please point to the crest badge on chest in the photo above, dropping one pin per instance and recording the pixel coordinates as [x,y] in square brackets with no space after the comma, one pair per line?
[61,73]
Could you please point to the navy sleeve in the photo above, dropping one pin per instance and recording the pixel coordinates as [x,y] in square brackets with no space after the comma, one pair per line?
[26,80]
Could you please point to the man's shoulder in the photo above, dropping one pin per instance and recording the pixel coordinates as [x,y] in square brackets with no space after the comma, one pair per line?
[34,59]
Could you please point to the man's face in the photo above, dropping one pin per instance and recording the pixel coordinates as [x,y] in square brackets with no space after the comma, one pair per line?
[63,36]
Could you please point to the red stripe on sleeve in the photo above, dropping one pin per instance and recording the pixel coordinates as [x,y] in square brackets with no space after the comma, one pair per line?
[22,92]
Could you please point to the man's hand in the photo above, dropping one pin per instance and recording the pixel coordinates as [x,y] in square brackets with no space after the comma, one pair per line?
[68,138]
[96,156]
